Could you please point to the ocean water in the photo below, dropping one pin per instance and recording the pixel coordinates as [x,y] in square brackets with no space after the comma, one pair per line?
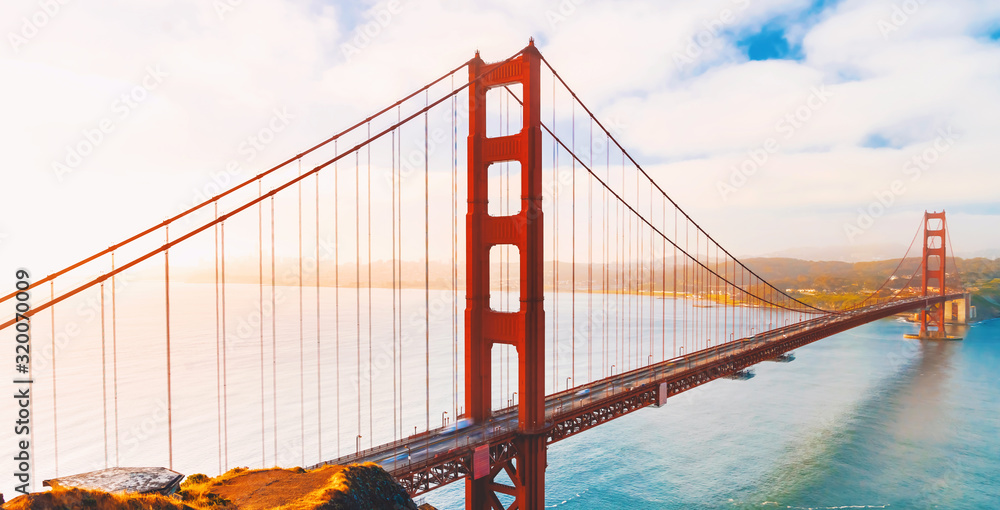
[864,419]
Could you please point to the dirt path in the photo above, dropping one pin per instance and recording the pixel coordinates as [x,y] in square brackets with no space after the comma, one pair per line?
[273,488]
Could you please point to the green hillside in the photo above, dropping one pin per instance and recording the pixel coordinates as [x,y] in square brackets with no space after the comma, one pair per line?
[836,284]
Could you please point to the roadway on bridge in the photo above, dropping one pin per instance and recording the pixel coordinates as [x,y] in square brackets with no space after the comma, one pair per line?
[417,449]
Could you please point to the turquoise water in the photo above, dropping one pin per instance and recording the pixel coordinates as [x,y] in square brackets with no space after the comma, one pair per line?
[864,419]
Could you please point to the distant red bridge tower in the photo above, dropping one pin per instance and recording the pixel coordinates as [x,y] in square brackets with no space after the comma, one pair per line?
[933,269]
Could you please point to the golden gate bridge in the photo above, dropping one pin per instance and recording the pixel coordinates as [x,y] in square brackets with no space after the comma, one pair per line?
[589,294]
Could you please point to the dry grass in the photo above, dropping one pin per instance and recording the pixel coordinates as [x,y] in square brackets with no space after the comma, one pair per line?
[327,488]
[66,499]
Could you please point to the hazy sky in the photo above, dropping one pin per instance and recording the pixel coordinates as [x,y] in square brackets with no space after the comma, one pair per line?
[775,123]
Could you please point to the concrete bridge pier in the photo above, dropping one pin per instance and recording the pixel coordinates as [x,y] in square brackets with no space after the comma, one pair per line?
[958,311]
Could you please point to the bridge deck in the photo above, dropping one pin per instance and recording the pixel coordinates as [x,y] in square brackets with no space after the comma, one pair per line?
[429,460]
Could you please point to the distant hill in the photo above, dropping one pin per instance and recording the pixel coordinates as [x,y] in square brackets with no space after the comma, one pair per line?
[833,283]
[833,276]
[861,253]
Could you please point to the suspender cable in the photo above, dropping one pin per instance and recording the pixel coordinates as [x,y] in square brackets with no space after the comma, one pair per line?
[395,388]
[170,410]
[618,288]
[720,331]
[628,281]
[371,384]
[319,352]
[713,326]
[555,255]
[427,274]
[104,379]
[696,275]
[274,341]
[639,304]
[639,263]
[357,281]
[260,326]
[719,328]
[604,264]
[114,356]
[225,384]
[399,261]
[590,265]
[336,286]
[555,247]
[699,338]
[572,326]
[652,280]
[218,340]
[725,296]
[696,299]
[302,365]
[55,416]
[740,309]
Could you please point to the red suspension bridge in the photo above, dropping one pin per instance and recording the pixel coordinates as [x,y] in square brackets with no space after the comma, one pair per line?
[284,320]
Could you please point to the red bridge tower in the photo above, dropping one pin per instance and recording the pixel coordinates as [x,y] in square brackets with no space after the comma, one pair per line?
[933,269]
[525,328]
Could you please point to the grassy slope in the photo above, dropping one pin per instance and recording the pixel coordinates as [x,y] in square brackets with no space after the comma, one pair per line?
[354,487]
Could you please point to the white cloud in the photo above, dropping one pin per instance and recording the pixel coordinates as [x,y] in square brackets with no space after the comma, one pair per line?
[227,75]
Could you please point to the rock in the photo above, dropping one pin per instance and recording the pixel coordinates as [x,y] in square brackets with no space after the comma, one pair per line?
[142,480]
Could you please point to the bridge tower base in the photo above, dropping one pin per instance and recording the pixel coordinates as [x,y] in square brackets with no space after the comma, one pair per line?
[525,328]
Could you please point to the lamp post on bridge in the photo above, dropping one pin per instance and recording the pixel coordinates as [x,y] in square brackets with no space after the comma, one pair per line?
[612,379]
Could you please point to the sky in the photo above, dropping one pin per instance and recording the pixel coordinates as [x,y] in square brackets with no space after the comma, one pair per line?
[784,127]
